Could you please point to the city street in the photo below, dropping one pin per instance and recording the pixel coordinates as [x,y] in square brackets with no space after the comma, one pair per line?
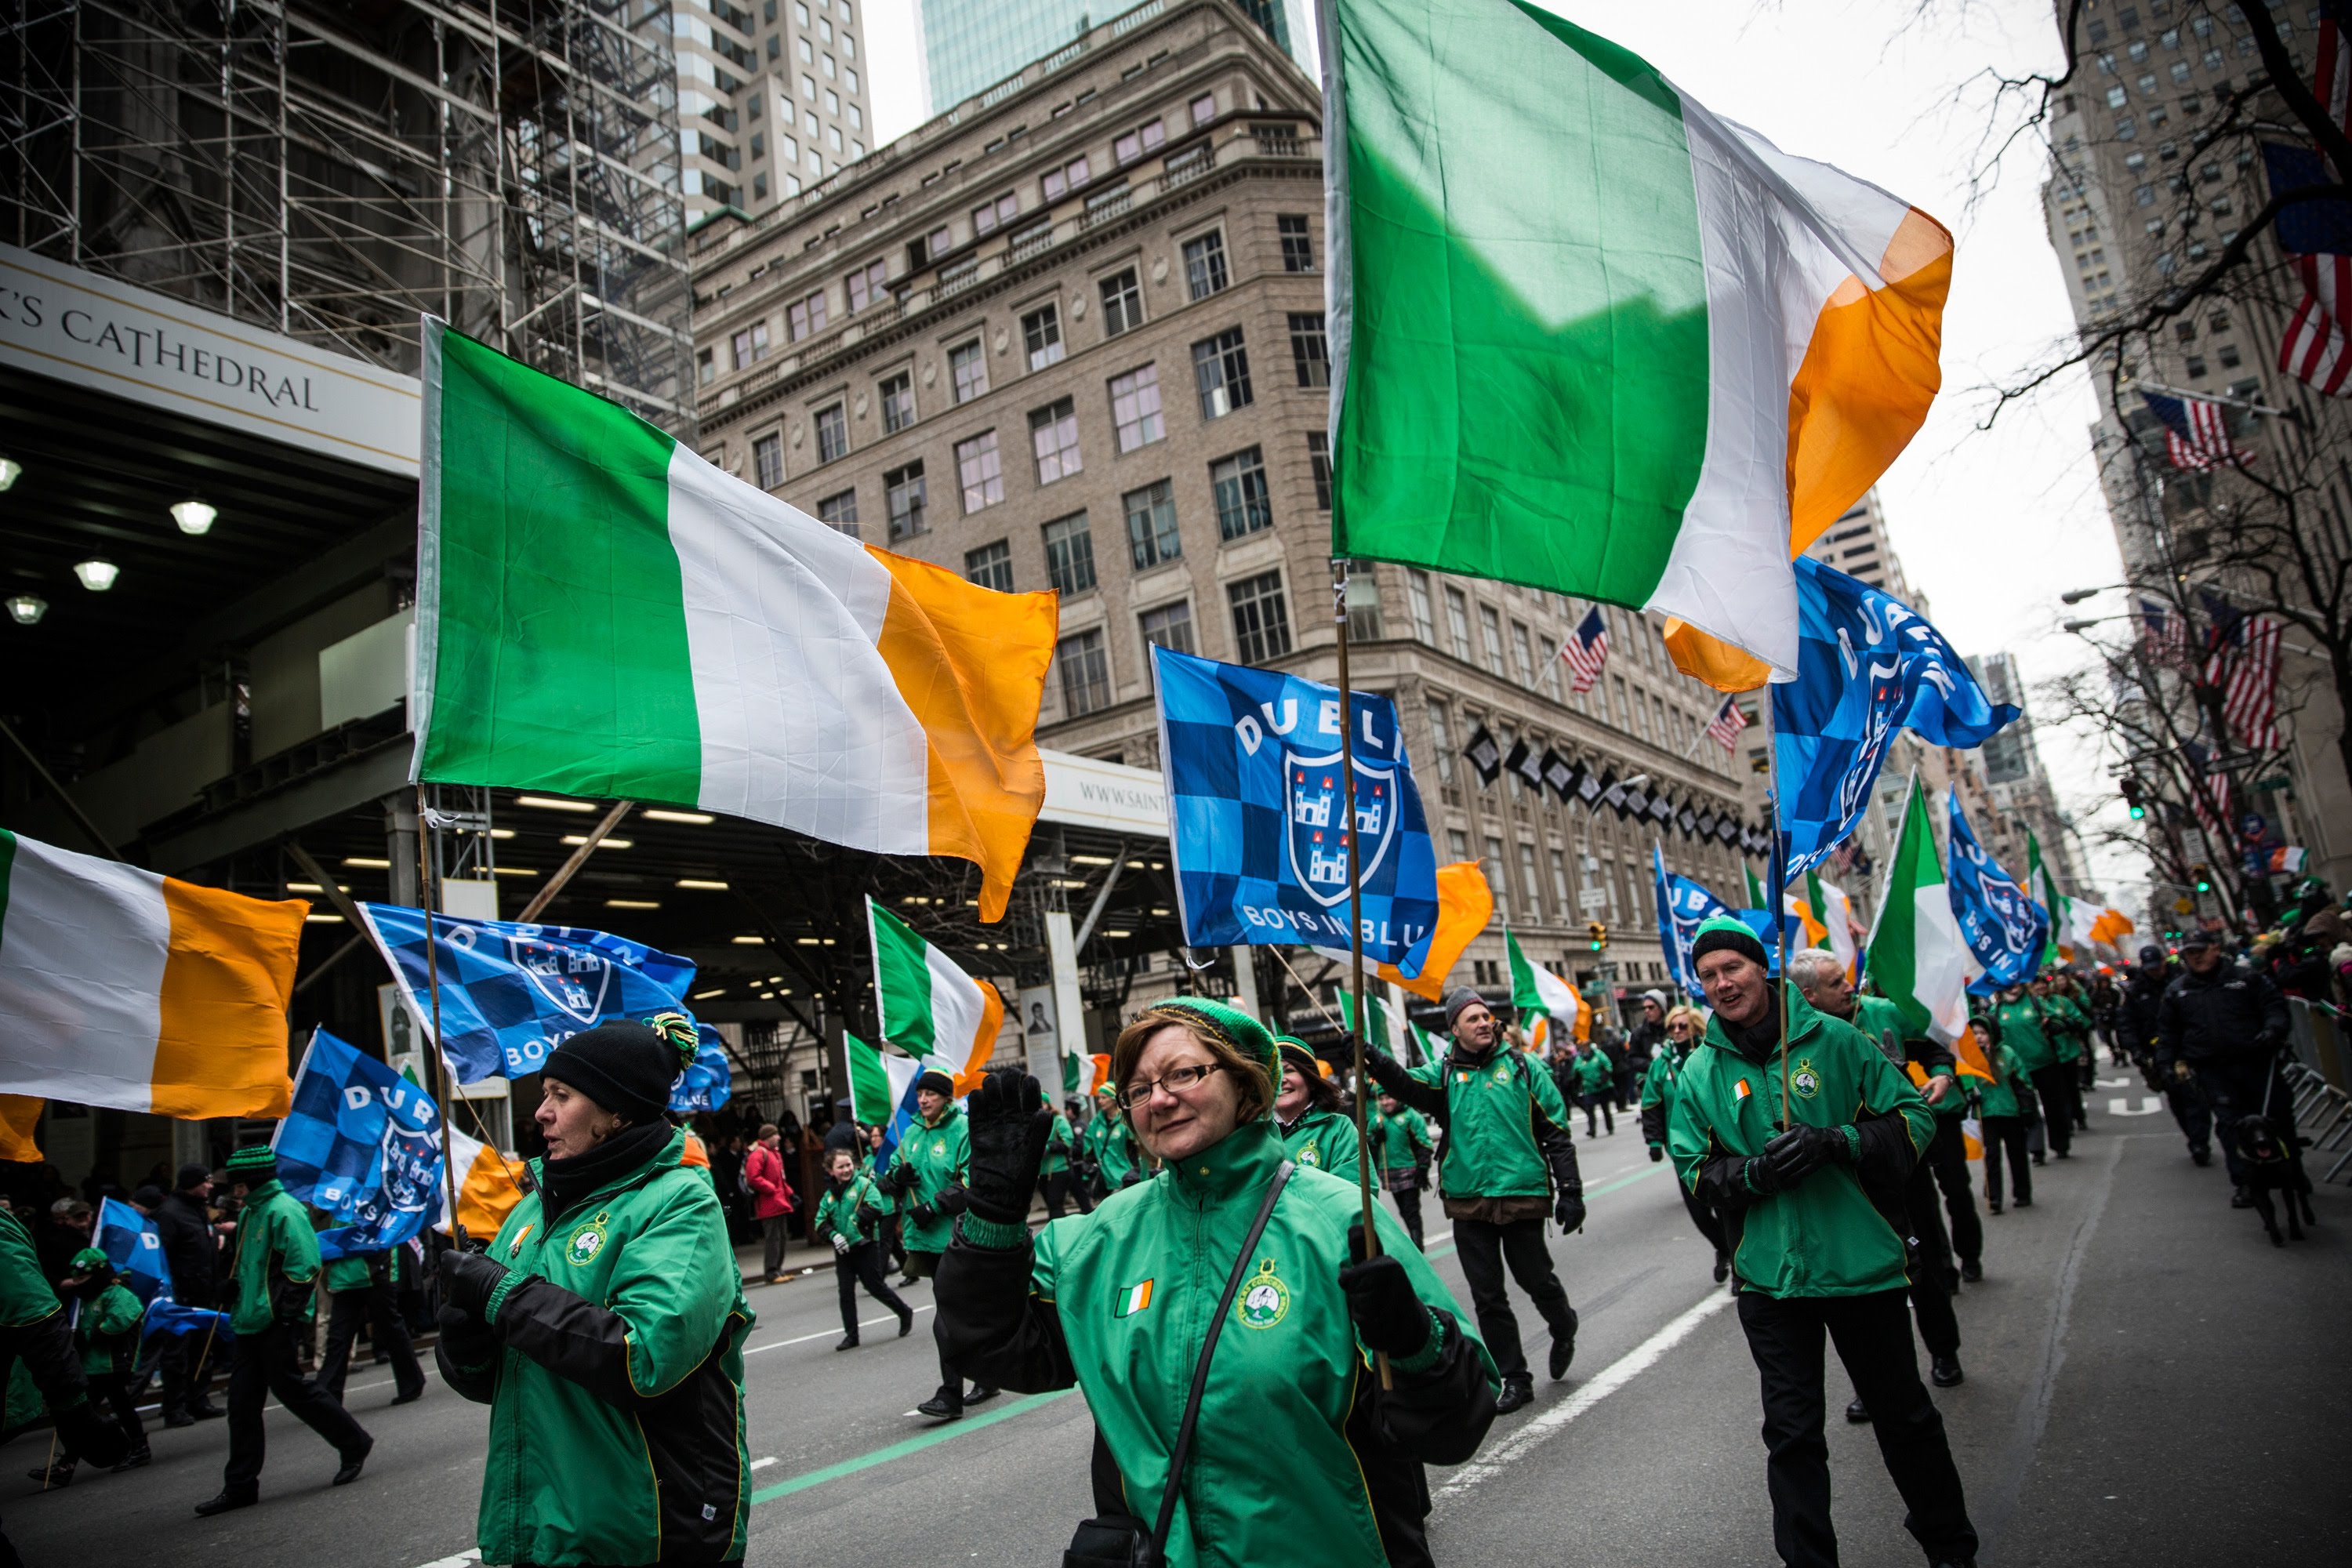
[2149,1381]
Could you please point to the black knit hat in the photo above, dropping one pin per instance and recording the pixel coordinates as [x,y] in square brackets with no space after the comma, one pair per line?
[193,1175]
[1461,998]
[623,1065]
[254,1165]
[937,1082]
[1722,932]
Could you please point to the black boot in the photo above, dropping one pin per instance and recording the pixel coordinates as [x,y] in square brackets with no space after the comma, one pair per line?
[848,1342]
[1518,1392]
[946,1405]
[1858,1413]
[227,1499]
[352,1459]
[138,1458]
[1944,1371]
[905,1322]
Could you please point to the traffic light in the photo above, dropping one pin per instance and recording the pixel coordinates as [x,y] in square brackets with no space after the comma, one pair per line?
[1598,931]
[2134,799]
[2204,874]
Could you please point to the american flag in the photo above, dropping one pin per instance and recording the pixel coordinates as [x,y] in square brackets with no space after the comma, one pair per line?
[2196,433]
[2209,794]
[1587,650]
[2243,664]
[2166,633]
[2318,344]
[1728,722]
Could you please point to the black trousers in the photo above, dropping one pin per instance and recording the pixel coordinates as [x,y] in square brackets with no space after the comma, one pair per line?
[2237,1086]
[2006,1135]
[2191,1114]
[862,1265]
[1484,1249]
[1785,1336]
[1408,1203]
[1948,1157]
[1702,1216]
[1599,1100]
[2061,1094]
[186,1363]
[112,1390]
[1933,1277]
[1062,1188]
[372,1305]
[262,1364]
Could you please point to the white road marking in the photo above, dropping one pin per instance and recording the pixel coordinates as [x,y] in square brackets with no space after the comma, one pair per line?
[463,1559]
[764,1464]
[2148,1106]
[827,1333]
[1498,1456]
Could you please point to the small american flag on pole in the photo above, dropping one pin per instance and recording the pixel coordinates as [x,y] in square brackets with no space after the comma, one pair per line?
[2196,433]
[2317,346]
[1586,650]
[2244,665]
[1728,722]
[2166,632]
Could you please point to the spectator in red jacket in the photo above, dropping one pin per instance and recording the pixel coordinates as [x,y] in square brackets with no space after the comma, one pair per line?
[772,1196]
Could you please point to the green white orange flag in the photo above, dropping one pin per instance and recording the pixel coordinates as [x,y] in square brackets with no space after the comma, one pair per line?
[1647,365]
[124,989]
[931,1008]
[602,613]
[878,1081]
[1917,958]
[2077,925]
[489,1184]
[1827,906]
[1535,989]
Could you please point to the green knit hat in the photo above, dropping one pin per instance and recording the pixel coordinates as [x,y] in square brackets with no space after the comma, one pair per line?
[1245,1034]
[89,1261]
[1724,931]
[254,1162]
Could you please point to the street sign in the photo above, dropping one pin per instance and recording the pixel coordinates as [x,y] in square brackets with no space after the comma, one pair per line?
[2184,907]
[1591,899]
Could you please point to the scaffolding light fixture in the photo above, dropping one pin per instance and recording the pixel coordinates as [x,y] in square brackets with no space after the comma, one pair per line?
[194,517]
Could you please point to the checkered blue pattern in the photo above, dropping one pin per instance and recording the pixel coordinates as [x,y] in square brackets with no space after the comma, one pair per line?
[130,1243]
[362,1145]
[512,993]
[1683,905]
[1252,761]
[709,1082]
[2003,926]
[1867,665]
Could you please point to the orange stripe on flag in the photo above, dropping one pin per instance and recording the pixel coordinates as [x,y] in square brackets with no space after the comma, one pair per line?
[19,1113]
[1465,905]
[984,1043]
[971,663]
[227,978]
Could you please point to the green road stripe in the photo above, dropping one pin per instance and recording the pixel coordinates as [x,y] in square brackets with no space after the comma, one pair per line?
[899,1450]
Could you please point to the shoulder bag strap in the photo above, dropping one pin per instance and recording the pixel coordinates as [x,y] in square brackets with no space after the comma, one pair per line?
[1183,1449]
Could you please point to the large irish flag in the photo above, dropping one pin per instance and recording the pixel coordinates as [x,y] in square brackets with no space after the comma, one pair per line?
[1591,338]
[602,613]
[1917,957]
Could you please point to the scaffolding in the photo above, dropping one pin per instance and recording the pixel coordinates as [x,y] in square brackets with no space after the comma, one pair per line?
[331,170]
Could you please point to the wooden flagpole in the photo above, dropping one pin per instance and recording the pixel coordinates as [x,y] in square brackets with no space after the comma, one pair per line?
[424,890]
[1357,1043]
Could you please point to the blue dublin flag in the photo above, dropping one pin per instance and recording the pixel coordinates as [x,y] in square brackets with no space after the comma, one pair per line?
[362,1145]
[1867,665]
[2000,923]
[129,1242]
[709,1083]
[1683,904]
[1257,817]
[512,993]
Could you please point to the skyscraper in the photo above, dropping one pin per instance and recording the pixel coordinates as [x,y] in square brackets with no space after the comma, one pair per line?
[769,102]
[971,46]
[1857,544]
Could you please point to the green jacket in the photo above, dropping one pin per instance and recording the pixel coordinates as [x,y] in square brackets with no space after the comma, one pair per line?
[1875,1016]
[107,1330]
[1058,1145]
[617,1396]
[25,1294]
[1658,1081]
[1287,1464]
[2068,1027]
[1109,1143]
[1593,1071]
[2022,1031]
[1324,1141]
[836,1212]
[1835,1232]
[1505,1126]
[1401,1140]
[349,1272]
[276,1249]
[936,1153]
[1999,1098]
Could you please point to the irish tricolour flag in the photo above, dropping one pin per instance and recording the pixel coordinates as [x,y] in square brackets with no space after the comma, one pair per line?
[602,613]
[122,988]
[1917,957]
[1595,339]
[1535,989]
[931,1008]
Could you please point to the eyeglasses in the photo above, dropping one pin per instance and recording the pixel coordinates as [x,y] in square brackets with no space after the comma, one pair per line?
[1175,1080]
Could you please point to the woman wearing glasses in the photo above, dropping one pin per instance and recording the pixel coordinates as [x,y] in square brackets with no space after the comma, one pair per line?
[1296,1456]
[1686,1025]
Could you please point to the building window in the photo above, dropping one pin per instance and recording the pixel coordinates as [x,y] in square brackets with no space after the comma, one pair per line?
[1135,409]
[805,317]
[1059,182]
[1054,433]
[705,369]
[1310,352]
[1495,875]
[970,367]
[1168,627]
[1523,655]
[1143,139]
[1122,303]
[1363,603]
[1560,883]
[1424,618]
[1085,673]
[1151,535]
[1204,264]
[898,402]
[839,512]
[979,471]
[1243,505]
[1530,882]
[987,217]
[1221,367]
[767,462]
[1441,741]
[908,499]
[1457,624]
[752,345]
[832,433]
[1070,554]
[1041,334]
[868,286]
[1297,244]
[991,566]
[1318,463]
[1491,624]
[1203,109]
[1261,620]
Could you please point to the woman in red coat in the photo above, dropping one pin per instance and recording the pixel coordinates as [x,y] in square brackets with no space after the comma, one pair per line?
[771,1196]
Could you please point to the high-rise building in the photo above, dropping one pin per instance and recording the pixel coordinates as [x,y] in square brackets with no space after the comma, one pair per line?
[2019,783]
[971,46]
[769,101]
[1858,545]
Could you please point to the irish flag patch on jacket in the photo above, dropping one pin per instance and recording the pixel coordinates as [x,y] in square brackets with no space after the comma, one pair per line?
[1133,1299]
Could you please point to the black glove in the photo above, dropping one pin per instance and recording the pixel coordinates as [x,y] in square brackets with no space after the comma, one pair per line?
[1567,1208]
[290,1299]
[1804,1149]
[1421,1175]
[897,1180]
[953,1200]
[868,1216]
[91,1436]
[1657,1152]
[1758,1176]
[1389,1317]
[1385,1069]
[467,1280]
[465,1337]
[922,1214]
[1010,1126]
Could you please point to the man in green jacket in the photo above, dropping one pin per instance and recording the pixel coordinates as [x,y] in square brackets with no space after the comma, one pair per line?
[1813,1210]
[1109,1143]
[927,1178]
[1056,1178]
[1402,1138]
[359,1291]
[1510,1160]
[2026,1028]
[34,1329]
[275,1274]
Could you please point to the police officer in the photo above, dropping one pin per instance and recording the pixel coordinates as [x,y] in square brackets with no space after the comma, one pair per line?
[2224,1028]
[1510,1160]
[2143,1006]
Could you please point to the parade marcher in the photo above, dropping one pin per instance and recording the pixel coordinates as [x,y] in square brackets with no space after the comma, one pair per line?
[1510,1162]
[105,1332]
[1401,1137]
[1296,1455]
[2225,1029]
[772,1198]
[1059,1181]
[184,1226]
[2003,1121]
[2070,1031]
[2024,1026]
[1596,1088]
[1110,1145]
[1641,1046]
[35,1330]
[275,1274]
[604,1329]
[2143,1008]
[1684,1026]
[849,1217]
[1307,1116]
[2107,1006]
[927,1178]
[359,1290]
[1814,1214]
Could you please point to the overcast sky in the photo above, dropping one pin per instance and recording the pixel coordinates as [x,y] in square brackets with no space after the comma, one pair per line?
[1992,526]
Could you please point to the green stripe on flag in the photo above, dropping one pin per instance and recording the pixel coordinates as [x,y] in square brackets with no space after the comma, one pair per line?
[548,588]
[869,1082]
[902,983]
[1893,963]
